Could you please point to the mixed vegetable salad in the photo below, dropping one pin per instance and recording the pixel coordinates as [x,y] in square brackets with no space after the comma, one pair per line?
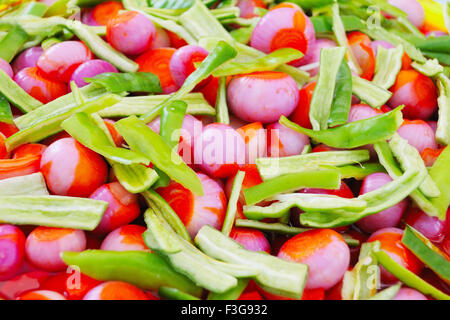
[224,150]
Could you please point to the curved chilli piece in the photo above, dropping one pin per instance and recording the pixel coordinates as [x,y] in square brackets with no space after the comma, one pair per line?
[157,61]
[28,58]
[70,169]
[130,32]
[262,96]
[104,12]
[3,150]
[197,211]
[115,290]
[5,66]
[250,239]
[419,134]
[301,113]
[41,295]
[117,138]
[431,227]
[182,63]
[360,45]
[409,294]
[247,7]
[324,251]
[284,142]
[126,238]
[60,60]
[122,208]
[255,139]
[417,92]
[10,168]
[391,243]
[161,39]
[190,130]
[44,246]
[219,150]
[284,27]
[90,69]
[39,86]
[29,150]
[386,218]
[12,251]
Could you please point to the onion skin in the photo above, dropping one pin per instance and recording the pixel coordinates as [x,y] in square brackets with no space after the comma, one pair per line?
[313,55]
[12,251]
[417,92]
[284,27]
[284,142]
[60,60]
[219,150]
[122,209]
[391,243]
[262,97]
[5,66]
[44,246]
[130,32]
[70,169]
[324,251]
[183,60]
[251,239]
[386,218]
[90,69]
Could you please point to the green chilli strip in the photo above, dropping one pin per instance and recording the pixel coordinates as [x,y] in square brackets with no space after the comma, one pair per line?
[320,109]
[52,211]
[127,82]
[143,269]
[5,110]
[388,64]
[232,294]
[325,179]
[431,68]
[141,138]
[355,134]
[31,185]
[387,294]
[440,172]
[443,126]
[232,203]
[409,278]
[12,43]
[16,95]
[175,294]
[369,92]
[342,101]
[277,227]
[222,114]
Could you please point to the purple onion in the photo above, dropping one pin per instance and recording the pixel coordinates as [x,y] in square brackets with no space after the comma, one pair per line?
[284,142]
[5,66]
[419,134]
[182,62]
[374,45]
[28,58]
[90,69]
[414,10]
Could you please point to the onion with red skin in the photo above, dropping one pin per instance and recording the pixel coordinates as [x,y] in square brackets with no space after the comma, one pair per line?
[60,60]
[161,39]
[123,207]
[250,239]
[431,227]
[324,251]
[360,46]
[409,294]
[12,251]
[28,58]
[247,7]
[44,246]
[197,211]
[391,243]
[313,55]
[125,238]
[361,112]
[255,139]
[182,63]
[115,290]
[157,61]
[386,218]
[262,96]
[414,10]
[90,69]
[41,295]
[87,17]
[71,285]
[29,149]
[301,113]
[39,86]
[13,288]
[417,92]
[6,67]
[70,169]
[190,130]
[284,27]
[219,150]
[419,134]
[130,32]
[284,142]
[429,156]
